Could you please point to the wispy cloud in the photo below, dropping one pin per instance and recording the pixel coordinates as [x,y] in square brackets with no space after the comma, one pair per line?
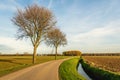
[10,5]
[11,45]
[89,26]
[4,48]
[50,3]
[7,7]
[99,37]
[14,45]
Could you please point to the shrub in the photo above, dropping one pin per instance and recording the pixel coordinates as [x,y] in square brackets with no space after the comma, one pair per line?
[72,53]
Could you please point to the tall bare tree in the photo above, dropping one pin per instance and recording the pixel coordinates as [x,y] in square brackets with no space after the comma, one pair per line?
[33,22]
[55,38]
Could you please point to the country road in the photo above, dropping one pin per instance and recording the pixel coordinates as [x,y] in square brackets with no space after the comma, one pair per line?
[44,71]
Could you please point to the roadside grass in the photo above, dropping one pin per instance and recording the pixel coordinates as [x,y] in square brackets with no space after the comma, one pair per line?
[10,64]
[68,70]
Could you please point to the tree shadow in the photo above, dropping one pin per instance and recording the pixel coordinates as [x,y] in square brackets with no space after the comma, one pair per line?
[4,60]
[23,58]
[10,61]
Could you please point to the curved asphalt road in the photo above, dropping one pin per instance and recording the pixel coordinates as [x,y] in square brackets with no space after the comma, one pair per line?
[44,71]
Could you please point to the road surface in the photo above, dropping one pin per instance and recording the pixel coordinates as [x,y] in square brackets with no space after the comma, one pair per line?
[44,71]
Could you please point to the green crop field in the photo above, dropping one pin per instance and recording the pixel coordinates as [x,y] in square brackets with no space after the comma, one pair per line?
[10,64]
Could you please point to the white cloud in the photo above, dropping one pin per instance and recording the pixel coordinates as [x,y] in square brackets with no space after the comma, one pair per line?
[96,39]
[86,29]
[92,29]
[15,45]
[11,45]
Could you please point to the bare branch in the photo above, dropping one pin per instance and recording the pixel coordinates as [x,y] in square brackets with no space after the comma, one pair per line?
[55,38]
[33,22]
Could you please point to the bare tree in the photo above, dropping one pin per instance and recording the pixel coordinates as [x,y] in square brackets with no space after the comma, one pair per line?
[55,38]
[33,22]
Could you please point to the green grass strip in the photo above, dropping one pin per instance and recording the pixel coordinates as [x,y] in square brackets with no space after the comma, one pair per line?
[68,70]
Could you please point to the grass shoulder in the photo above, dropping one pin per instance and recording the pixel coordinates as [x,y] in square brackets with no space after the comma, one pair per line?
[68,70]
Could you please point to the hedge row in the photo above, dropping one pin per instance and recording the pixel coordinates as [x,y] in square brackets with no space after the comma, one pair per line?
[71,53]
[98,74]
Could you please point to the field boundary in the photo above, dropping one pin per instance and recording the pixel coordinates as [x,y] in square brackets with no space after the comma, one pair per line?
[97,73]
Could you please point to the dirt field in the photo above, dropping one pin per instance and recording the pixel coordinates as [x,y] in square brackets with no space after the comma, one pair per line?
[111,63]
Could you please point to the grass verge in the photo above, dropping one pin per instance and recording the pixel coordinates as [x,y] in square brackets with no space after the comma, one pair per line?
[9,64]
[68,70]
[97,73]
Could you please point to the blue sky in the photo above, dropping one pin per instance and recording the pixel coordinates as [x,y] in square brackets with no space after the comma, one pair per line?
[89,25]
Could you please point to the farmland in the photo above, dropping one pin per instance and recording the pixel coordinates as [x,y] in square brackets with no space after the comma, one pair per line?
[111,63]
[10,64]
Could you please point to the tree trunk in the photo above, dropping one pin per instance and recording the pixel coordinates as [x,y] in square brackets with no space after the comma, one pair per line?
[34,54]
[55,53]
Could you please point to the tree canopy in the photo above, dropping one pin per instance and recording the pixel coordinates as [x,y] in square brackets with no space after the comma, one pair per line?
[33,22]
[55,38]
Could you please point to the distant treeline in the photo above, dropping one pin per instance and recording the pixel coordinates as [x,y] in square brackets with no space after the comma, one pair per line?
[50,54]
[101,54]
[66,53]
[28,54]
[15,54]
